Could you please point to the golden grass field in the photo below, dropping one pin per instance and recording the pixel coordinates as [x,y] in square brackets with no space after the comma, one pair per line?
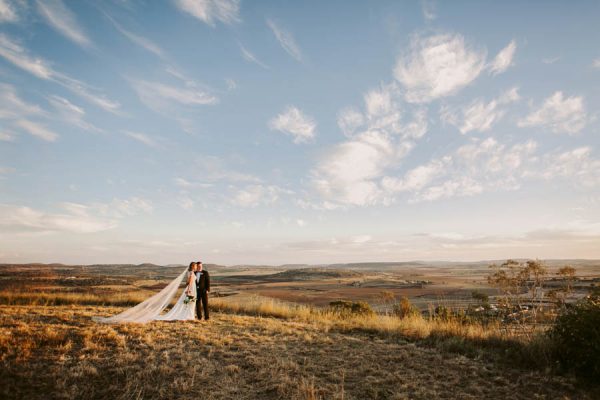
[252,348]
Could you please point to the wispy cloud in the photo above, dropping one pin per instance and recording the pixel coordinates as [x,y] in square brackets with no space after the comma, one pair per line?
[504,59]
[139,40]
[12,106]
[75,218]
[210,11]
[428,7]
[160,97]
[6,136]
[71,113]
[596,63]
[559,114]
[72,217]
[143,138]
[255,195]
[17,55]
[479,116]
[60,18]
[6,170]
[36,129]
[286,40]
[248,56]
[208,171]
[294,122]
[471,169]
[550,60]
[438,66]
[8,12]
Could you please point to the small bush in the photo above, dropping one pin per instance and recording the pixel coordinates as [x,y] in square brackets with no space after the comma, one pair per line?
[442,312]
[405,308]
[351,308]
[576,338]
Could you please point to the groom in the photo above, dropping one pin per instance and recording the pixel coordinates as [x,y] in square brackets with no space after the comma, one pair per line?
[202,289]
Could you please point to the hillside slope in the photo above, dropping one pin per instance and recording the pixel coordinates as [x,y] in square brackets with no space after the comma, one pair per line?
[58,352]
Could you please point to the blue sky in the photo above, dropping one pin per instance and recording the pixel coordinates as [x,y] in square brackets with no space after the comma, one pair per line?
[298,132]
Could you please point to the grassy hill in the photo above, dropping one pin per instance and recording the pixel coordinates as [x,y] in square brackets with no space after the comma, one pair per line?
[58,352]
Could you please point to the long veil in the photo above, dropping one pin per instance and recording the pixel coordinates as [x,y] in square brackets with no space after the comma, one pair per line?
[149,309]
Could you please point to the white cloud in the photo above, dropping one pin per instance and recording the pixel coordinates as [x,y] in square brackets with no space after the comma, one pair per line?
[350,172]
[76,218]
[121,208]
[6,136]
[13,107]
[504,59]
[17,55]
[212,169]
[141,41]
[294,122]
[6,170]
[160,97]
[250,57]
[71,113]
[183,182]
[286,40]
[20,57]
[488,166]
[479,116]
[60,18]
[559,114]
[347,173]
[428,7]
[596,63]
[210,11]
[301,223]
[550,60]
[143,138]
[349,120]
[255,195]
[36,129]
[438,66]
[231,84]
[576,165]
[8,12]
[482,165]
[417,178]
[185,202]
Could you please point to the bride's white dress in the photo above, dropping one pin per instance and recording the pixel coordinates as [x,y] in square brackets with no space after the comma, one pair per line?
[151,308]
[182,311]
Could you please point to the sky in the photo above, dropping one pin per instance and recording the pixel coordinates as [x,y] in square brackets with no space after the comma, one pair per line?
[285,132]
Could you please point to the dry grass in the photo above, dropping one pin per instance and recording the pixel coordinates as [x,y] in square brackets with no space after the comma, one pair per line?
[58,352]
[128,298]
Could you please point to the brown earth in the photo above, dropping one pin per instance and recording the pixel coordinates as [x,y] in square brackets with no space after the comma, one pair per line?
[58,352]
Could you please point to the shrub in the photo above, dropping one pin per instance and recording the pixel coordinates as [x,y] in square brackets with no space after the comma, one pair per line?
[405,308]
[442,312]
[349,308]
[576,338]
[482,298]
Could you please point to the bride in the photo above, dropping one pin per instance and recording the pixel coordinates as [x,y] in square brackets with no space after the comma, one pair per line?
[184,309]
[150,309]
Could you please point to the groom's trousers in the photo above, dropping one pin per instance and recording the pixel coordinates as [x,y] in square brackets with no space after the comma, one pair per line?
[202,298]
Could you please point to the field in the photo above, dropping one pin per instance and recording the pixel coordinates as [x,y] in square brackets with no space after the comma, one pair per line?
[256,347]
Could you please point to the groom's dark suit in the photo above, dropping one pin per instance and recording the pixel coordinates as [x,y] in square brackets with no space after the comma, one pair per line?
[202,289]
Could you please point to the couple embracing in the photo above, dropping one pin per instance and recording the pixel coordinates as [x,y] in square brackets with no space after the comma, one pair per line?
[197,289]
[189,306]
[194,298]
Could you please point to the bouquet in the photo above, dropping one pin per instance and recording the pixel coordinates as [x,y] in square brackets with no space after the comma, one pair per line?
[189,299]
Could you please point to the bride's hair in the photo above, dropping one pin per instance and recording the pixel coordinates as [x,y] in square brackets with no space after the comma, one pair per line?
[191,267]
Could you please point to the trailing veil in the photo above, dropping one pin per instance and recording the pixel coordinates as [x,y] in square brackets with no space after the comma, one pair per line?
[149,309]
